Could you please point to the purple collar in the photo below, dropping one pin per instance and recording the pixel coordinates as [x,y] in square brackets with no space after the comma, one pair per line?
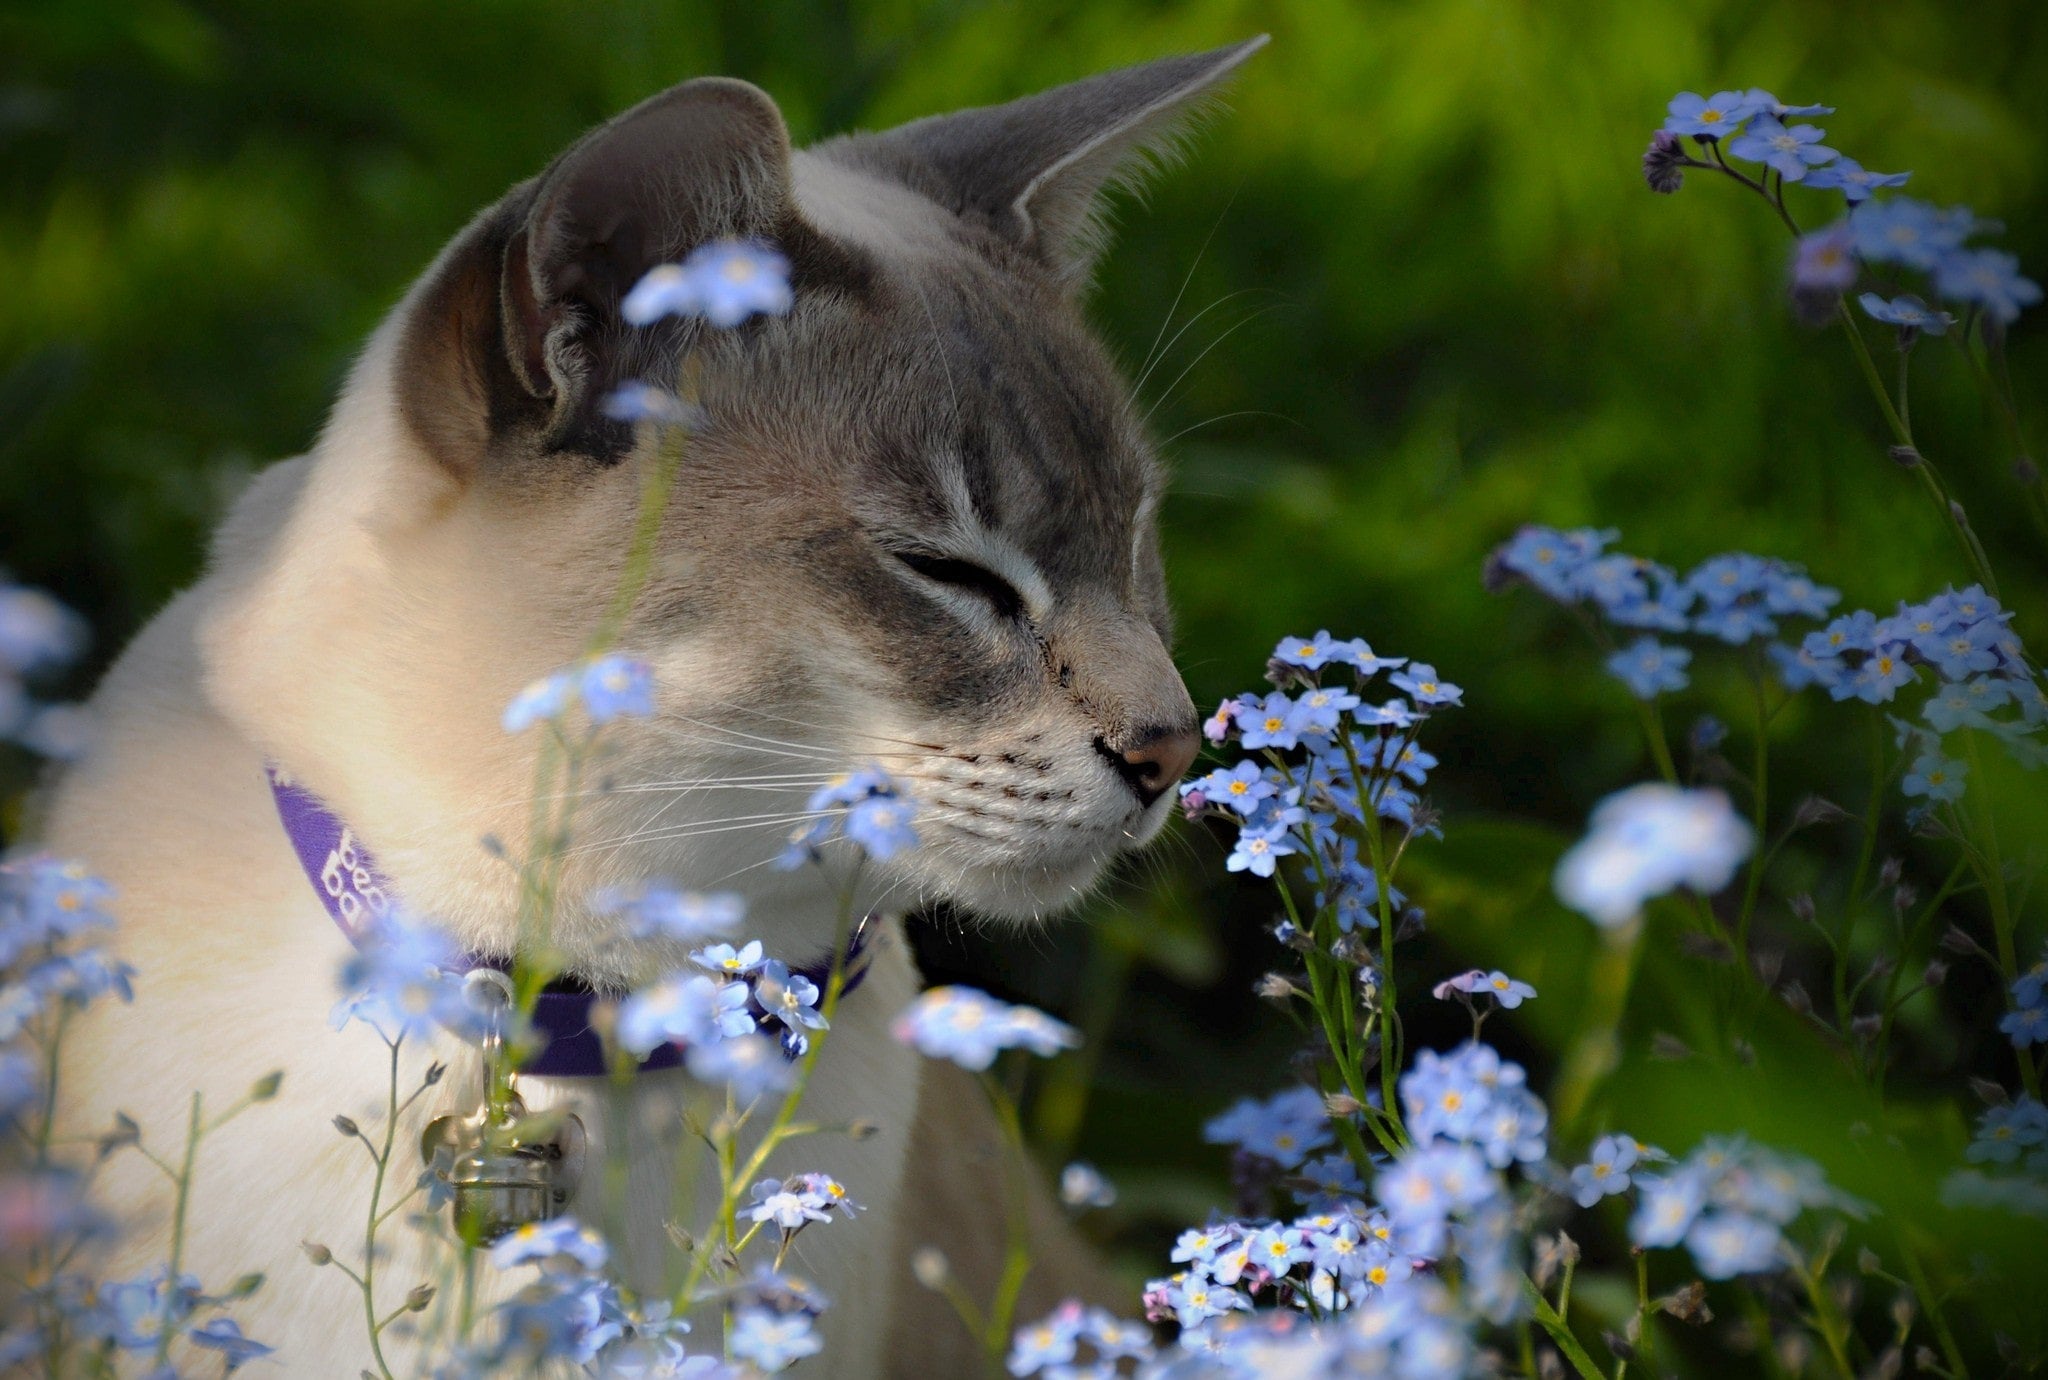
[356,896]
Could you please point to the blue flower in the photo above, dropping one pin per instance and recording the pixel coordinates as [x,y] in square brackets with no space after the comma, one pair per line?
[1605,1171]
[1854,632]
[1988,277]
[1762,100]
[1787,590]
[135,1312]
[37,632]
[1936,777]
[791,998]
[617,687]
[865,808]
[1727,1244]
[691,1010]
[1268,722]
[752,1068]
[1051,1342]
[970,1028]
[657,911]
[725,283]
[1318,709]
[724,958]
[547,698]
[1420,681]
[1649,668]
[773,1341]
[1878,679]
[1901,230]
[2005,1131]
[643,402]
[1667,1208]
[1646,841]
[1790,151]
[1509,992]
[1238,789]
[1277,1249]
[788,1204]
[1852,179]
[1550,559]
[1310,653]
[1284,1128]
[1708,118]
[2026,1026]
[880,825]
[1825,261]
[405,977]
[1259,850]
[542,1242]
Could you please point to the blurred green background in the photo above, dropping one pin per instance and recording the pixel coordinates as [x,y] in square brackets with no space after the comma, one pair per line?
[1425,298]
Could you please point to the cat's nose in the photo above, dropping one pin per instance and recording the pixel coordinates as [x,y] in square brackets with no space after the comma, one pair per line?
[1156,764]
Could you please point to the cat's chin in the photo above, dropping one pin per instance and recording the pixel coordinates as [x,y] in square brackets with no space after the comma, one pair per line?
[1025,893]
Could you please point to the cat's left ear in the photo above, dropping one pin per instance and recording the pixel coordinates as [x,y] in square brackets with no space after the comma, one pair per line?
[1034,170]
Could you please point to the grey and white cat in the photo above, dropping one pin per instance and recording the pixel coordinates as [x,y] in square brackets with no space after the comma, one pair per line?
[917,527]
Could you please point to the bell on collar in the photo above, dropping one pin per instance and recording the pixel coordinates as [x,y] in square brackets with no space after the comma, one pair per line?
[504,1168]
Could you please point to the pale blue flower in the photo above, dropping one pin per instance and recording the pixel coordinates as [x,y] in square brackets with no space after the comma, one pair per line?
[1852,179]
[772,1341]
[1649,840]
[1990,278]
[616,687]
[725,283]
[1606,1170]
[970,1028]
[1908,312]
[546,698]
[1790,151]
[541,1242]
[1709,117]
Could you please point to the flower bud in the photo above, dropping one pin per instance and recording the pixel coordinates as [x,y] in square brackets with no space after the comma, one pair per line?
[1801,907]
[930,1268]
[2026,471]
[246,1285]
[1341,1105]
[316,1252]
[419,1298]
[347,1126]
[1890,870]
[1867,1261]
[1935,973]
[1664,163]
[1688,1305]
[1273,987]
[1905,457]
[1794,993]
[1669,1048]
[862,1129]
[1768,964]
[266,1087]
[1865,1028]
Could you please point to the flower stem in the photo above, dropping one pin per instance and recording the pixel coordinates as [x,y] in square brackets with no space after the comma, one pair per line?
[194,1130]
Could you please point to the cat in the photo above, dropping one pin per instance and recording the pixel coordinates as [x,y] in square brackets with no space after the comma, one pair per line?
[916,524]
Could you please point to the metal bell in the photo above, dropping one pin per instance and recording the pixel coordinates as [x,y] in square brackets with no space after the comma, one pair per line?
[504,1169]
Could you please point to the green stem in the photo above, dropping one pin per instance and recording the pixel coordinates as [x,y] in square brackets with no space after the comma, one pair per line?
[193,1131]
[2002,919]
[1549,1320]
[1759,807]
[370,1230]
[1002,1308]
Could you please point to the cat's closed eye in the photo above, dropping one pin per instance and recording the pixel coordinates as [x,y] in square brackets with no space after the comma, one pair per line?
[1002,596]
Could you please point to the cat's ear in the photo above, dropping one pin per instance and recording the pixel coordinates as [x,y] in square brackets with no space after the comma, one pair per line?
[1034,170]
[518,326]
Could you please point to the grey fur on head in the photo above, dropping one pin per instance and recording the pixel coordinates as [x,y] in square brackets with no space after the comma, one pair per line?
[921,501]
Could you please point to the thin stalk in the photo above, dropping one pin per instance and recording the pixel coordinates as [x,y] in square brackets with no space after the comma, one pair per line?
[383,1158]
[2002,919]
[193,1131]
[1552,1323]
[1760,775]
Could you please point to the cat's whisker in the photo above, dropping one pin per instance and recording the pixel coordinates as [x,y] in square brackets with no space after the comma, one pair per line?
[1233,329]
[1186,326]
[1223,417]
[699,828]
[1186,282]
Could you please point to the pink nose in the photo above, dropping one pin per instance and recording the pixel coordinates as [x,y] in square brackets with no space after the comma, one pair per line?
[1158,762]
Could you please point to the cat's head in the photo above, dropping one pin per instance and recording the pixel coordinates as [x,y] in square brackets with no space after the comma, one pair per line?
[916,524]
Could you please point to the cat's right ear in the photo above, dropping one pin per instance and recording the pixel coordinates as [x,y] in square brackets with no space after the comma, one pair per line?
[515,335]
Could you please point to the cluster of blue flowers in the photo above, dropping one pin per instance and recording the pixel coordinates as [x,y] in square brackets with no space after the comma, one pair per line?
[38,637]
[571,1311]
[1729,1203]
[863,807]
[1357,755]
[710,1014]
[1895,233]
[606,688]
[1647,841]
[54,962]
[970,1028]
[725,283]
[1976,673]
